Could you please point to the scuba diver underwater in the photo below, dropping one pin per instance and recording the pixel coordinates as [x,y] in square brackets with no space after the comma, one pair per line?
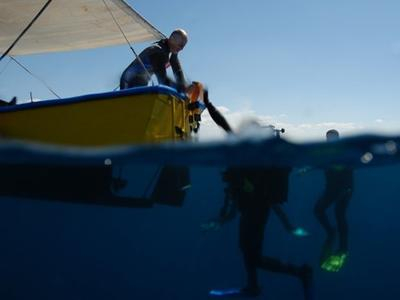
[254,191]
[338,192]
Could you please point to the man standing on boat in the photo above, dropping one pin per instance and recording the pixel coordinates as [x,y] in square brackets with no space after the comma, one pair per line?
[155,60]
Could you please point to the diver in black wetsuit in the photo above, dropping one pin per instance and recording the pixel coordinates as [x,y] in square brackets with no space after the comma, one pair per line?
[154,60]
[228,211]
[338,192]
[217,117]
[256,191]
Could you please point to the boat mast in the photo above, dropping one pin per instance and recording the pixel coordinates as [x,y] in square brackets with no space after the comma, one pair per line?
[26,29]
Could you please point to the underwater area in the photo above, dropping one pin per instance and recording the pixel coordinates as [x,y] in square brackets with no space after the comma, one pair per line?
[101,246]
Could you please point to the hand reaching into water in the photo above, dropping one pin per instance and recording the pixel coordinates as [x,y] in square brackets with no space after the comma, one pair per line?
[300,232]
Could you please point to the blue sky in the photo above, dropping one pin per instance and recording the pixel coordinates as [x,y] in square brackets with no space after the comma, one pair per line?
[306,65]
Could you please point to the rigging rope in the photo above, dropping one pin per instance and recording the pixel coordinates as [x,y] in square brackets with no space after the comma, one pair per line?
[129,44]
[5,67]
[35,76]
[26,29]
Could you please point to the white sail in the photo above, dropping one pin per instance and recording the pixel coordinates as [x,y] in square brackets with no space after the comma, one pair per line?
[70,25]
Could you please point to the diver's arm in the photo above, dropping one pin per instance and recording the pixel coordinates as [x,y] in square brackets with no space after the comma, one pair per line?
[158,61]
[226,214]
[229,209]
[297,231]
[217,117]
[283,218]
[178,72]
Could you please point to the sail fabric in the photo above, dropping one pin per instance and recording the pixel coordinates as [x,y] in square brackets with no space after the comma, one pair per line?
[70,25]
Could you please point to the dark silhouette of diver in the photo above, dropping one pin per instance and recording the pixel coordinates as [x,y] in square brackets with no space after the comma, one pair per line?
[338,192]
[229,211]
[256,190]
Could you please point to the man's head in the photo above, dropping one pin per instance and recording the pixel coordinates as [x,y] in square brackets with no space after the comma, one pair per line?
[177,40]
[332,135]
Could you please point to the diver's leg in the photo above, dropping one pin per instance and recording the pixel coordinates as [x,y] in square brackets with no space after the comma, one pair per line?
[123,81]
[336,260]
[275,265]
[304,272]
[252,224]
[341,220]
[245,243]
[123,84]
[320,213]
[137,81]
[130,80]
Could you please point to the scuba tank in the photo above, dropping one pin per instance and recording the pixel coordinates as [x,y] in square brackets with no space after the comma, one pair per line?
[277,132]
[196,105]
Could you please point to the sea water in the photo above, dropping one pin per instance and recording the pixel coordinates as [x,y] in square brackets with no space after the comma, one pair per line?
[60,250]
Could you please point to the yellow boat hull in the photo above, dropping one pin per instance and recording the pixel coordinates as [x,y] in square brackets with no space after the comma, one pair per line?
[140,115]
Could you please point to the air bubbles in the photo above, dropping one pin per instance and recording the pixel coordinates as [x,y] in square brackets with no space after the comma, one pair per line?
[108,162]
[387,148]
[366,158]
[391,147]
